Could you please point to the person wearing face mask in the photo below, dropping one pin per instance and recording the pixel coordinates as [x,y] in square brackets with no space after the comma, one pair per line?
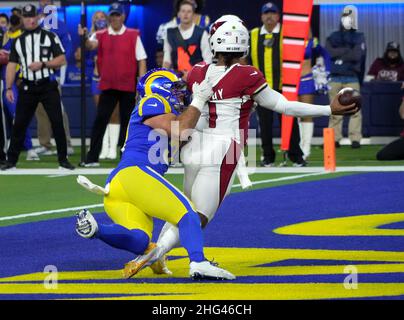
[390,67]
[347,49]
[47,21]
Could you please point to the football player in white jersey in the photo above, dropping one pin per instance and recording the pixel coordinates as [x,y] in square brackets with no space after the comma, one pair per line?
[211,157]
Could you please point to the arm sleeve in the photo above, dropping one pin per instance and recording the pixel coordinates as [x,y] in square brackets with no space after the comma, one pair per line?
[335,52]
[56,46]
[140,51]
[167,51]
[272,100]
[373,70]
[354,54]
[13,52]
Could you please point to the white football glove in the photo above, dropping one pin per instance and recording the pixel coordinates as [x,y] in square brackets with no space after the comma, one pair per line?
[88,185]
[202,93]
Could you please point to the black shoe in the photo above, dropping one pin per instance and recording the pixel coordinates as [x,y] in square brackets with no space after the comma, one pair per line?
[355,145]
[66,165]
[7,165]
[267,163]
[300,164]
[89,164]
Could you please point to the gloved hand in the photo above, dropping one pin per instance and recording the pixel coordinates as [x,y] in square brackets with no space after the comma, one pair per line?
[202,93]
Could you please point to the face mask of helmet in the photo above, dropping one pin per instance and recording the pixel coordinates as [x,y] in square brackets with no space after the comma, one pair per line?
[15,20]
[347,22]
[100,24]
[179,98]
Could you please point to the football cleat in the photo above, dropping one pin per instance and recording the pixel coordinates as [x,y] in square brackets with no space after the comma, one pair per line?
[207,270]
[86,226]
[160,266]
[134,266]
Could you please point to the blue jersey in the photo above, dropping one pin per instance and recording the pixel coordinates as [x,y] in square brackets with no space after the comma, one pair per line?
[144,146]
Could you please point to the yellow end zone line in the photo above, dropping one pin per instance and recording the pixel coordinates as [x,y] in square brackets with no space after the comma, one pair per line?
[92,206]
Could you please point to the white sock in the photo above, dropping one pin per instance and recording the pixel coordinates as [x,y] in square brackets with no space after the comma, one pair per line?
[113,140]
[307,129]
[105,144]
[169,238]
[242,173]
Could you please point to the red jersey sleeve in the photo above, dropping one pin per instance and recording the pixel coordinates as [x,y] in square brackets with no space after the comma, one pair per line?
[253,80]
[197,74]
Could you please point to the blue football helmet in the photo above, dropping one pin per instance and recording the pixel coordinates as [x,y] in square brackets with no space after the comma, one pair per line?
[166,84]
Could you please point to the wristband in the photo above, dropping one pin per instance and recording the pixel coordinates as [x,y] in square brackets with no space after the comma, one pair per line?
[198,103]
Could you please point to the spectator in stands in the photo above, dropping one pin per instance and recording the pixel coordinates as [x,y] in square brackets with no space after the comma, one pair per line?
[4,21]
[265,55]
[390,67]
[44,128]
[187,44]
[395,149]
[200,20]
[121,56]
[16,11]
[73,73]
[348,52]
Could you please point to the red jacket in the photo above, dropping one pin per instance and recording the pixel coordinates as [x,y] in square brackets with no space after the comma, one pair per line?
[116,60]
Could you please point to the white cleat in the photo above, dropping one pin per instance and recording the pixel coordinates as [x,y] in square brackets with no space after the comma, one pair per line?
[32,155]
[86,226]
[207,270]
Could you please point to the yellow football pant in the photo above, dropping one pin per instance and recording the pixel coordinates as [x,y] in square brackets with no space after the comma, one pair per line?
[137,194]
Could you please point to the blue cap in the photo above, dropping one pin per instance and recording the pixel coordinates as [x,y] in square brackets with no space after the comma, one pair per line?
[116,8]
[269,7]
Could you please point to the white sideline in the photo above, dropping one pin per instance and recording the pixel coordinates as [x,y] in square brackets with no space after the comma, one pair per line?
[284,178]
[48,212]
[104,171]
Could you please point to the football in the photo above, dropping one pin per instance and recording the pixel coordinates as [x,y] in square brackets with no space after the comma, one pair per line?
[349,96]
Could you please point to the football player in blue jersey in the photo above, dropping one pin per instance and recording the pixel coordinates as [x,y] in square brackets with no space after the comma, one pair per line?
[136,191]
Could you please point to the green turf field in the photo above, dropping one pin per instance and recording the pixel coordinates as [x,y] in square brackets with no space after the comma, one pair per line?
[31,195]
[346,156]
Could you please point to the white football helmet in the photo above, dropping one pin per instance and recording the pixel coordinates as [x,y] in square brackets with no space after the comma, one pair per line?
[229,34]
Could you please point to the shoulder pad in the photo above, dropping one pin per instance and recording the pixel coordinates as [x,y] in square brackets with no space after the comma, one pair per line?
[153,105]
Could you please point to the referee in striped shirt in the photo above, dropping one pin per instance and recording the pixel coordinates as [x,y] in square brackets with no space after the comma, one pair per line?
[39,52]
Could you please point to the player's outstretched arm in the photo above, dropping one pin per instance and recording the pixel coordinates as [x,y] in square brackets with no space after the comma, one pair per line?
[275,101]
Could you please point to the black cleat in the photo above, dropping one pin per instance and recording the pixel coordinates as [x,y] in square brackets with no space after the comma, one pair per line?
[355,145]
[7,165]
